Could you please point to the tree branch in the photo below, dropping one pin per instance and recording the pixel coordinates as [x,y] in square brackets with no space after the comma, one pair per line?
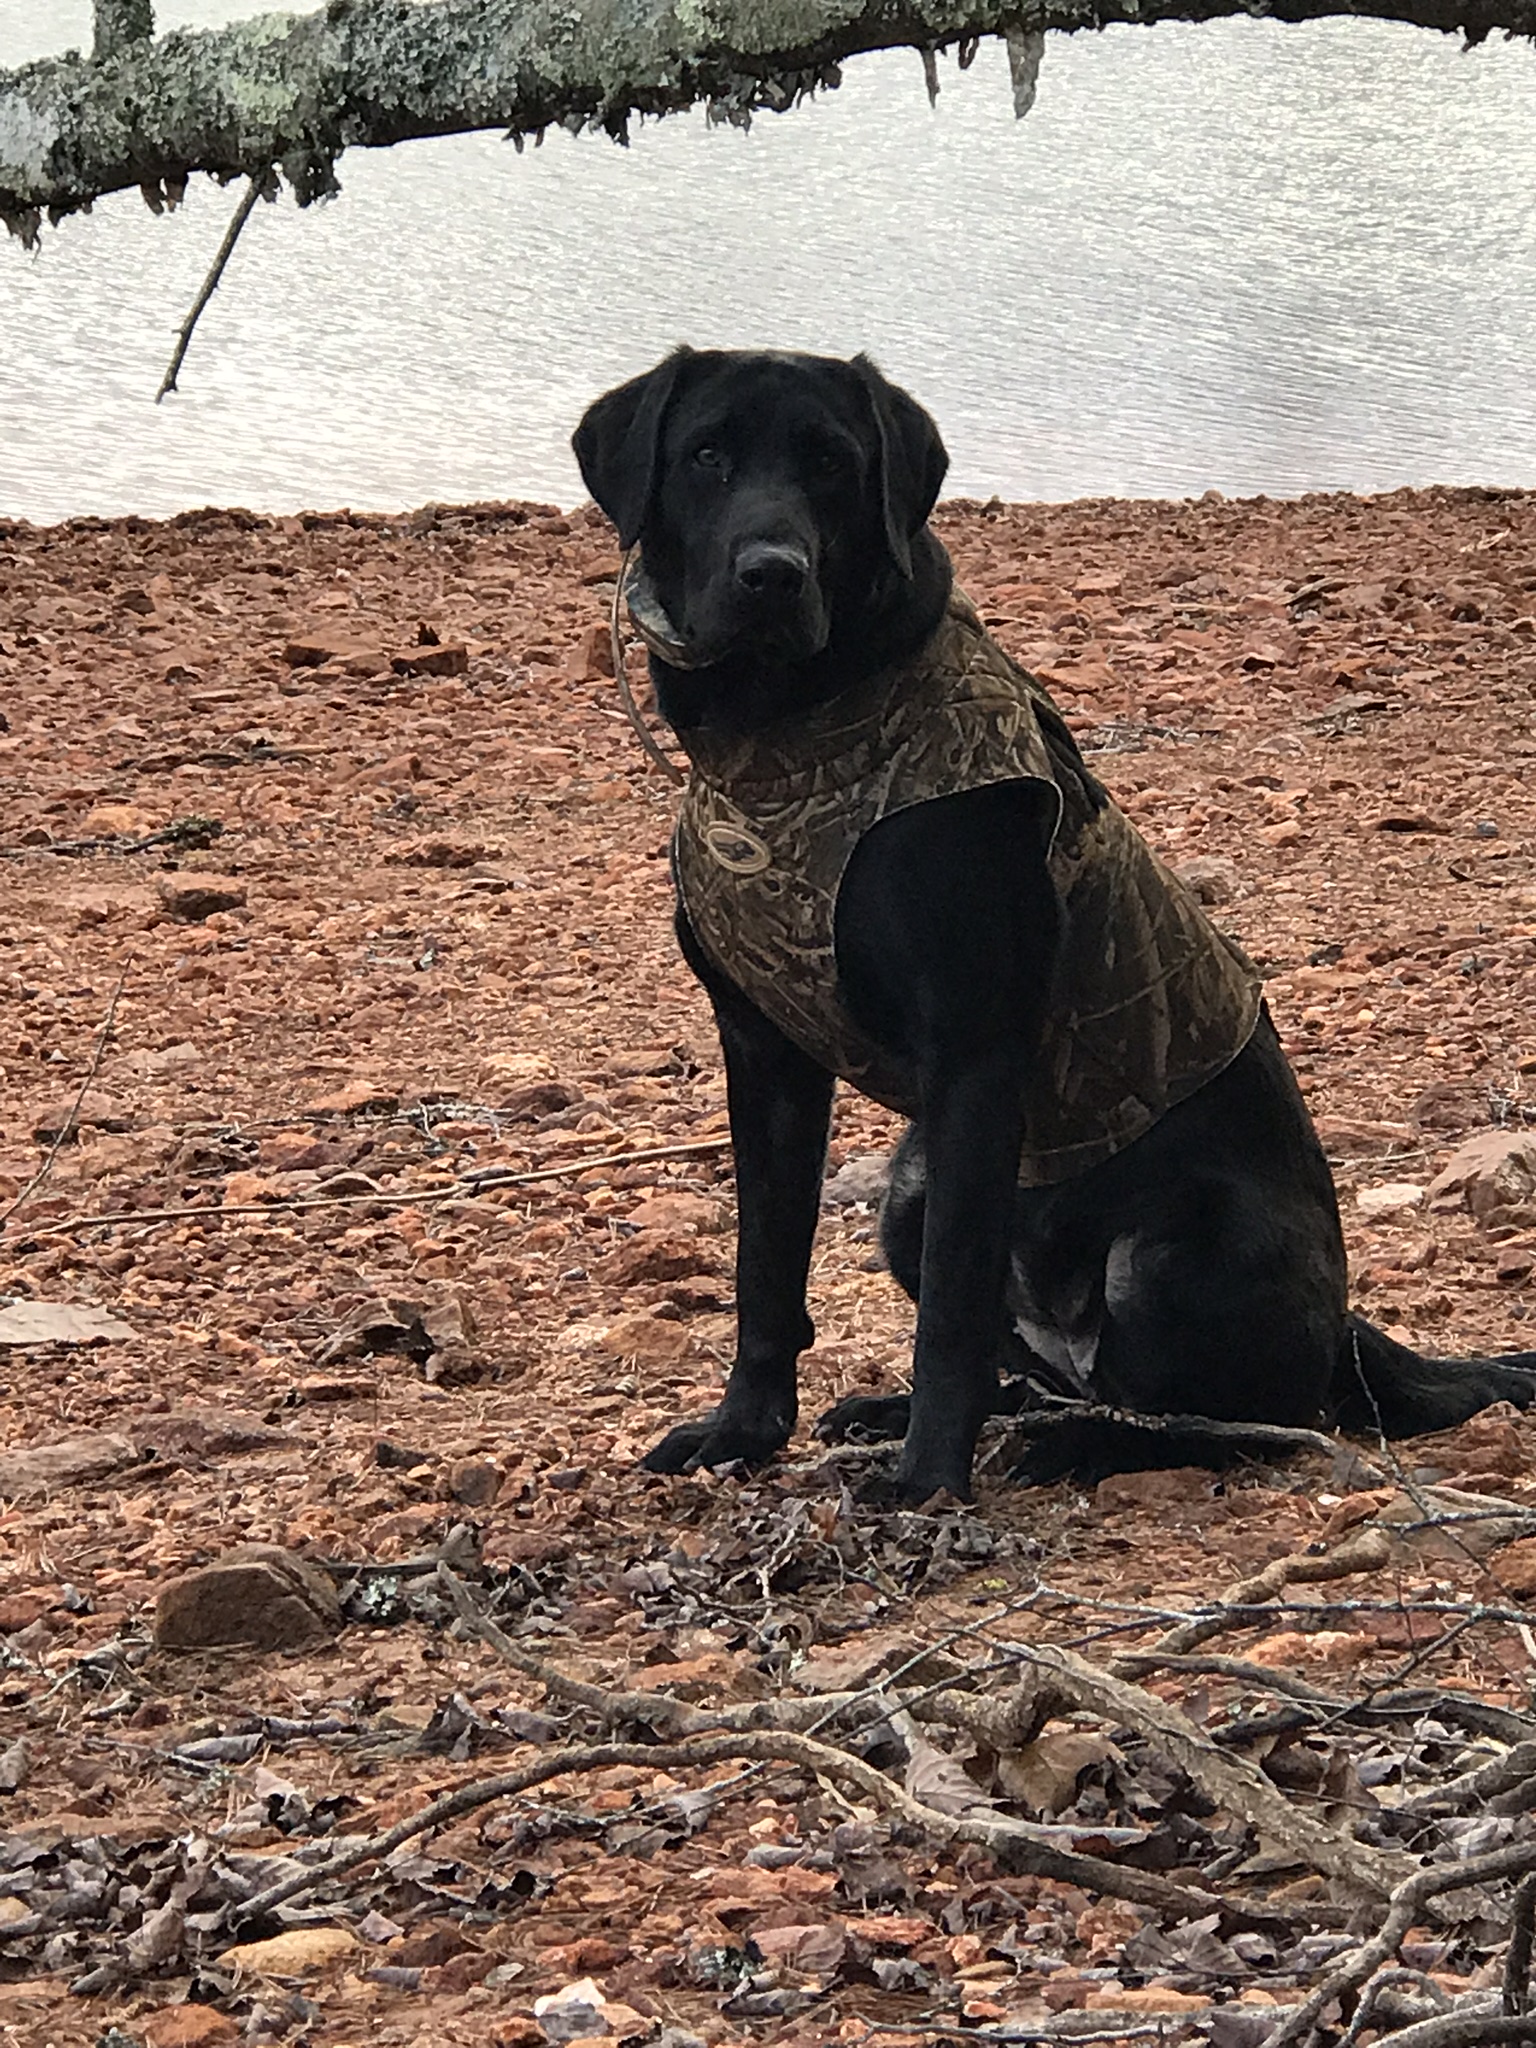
[297,90]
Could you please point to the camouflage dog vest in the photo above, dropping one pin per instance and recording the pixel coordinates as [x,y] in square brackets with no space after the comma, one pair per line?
[1149,999]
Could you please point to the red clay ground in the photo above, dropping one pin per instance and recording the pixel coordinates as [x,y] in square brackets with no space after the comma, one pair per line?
[447,949]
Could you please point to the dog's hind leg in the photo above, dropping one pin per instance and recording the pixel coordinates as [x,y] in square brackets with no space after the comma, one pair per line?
[1219,1311]
[1383,1388]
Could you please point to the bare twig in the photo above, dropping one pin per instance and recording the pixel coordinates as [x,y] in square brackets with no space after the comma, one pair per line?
[1464,2030]
[1059,1412]
[1501,1774]
[259,183]
[1517,1963]
[455,1190]
[188,832]
[66,1129]
[1024,1847]
[1235,1785]
[1393,1980]
[1366,1551]
[1402,1911]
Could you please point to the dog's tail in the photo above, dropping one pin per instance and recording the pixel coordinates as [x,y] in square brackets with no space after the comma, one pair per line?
[1382,1388]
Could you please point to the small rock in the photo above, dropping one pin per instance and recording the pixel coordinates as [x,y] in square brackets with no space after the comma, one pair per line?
[863,1179]
[318,1387]
[645,1338]
[398,1457]
[190,897]
[475,1482]
[1492,1172]
[449,659]
[1390,1199]
[678,1211]
[74,1461]
[1342,1136]
[20,1610]
[93,1111]
[60,1322]
[1516,1262]
[1288,832]
[575,2013]
[194,1430]
[313,649]
[256,1594]
[15,1767]
[1208,878]
[299,1952]
[357,1099]
[187,2026]
[591,659]
[651,1256]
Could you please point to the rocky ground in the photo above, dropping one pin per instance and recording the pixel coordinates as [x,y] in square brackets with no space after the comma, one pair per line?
[338,983]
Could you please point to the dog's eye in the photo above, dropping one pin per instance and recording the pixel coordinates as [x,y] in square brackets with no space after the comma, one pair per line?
[709,457]
[828,462]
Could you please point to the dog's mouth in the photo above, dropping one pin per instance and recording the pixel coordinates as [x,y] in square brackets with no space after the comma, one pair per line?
[797,633]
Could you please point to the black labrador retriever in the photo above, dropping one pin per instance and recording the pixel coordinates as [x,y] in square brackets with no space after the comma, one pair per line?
[894,865]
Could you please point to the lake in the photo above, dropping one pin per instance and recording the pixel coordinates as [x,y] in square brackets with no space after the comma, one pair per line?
[1240,256]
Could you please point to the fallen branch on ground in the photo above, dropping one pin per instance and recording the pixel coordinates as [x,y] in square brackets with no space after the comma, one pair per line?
[1060,1413]
[1069,1682]
[1367,1551]
[1403,1910]
[1021,1846]
[1235,1785]
[457,1190]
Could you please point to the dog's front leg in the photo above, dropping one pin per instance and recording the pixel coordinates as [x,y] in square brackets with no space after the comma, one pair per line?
[780,1105]
[972,1129]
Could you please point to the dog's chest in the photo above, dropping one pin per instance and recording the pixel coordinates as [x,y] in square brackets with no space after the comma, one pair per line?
[1151,1000]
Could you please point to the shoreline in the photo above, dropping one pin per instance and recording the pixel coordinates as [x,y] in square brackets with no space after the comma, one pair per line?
[16,525]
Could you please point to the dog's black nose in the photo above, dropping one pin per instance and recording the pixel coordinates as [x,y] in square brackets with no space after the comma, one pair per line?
[771,571]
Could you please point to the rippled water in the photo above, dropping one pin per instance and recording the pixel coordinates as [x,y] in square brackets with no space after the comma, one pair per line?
[1240,255]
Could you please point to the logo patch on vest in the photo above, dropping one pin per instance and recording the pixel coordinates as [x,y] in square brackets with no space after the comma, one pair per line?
[737,850]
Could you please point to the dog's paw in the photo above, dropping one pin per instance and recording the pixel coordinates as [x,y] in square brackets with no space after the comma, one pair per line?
[715,1439]
[865,1418]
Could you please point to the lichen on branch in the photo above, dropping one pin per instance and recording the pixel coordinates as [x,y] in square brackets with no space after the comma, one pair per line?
[296,90]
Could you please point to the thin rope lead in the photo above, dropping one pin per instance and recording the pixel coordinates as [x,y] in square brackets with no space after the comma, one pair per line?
[621,676]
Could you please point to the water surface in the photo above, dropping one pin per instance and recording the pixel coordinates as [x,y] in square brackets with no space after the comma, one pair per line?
[1240,255]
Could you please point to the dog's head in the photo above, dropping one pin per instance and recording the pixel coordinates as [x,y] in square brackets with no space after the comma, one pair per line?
[778,498]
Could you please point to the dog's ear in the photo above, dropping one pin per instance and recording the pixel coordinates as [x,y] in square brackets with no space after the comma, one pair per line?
[912,461]
[618,441]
